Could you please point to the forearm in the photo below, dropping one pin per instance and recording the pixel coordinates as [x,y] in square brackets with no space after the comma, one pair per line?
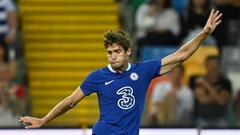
[182,53]
[190,47]
[58,110]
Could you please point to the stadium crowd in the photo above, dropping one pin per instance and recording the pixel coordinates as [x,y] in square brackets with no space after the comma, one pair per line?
[13,99]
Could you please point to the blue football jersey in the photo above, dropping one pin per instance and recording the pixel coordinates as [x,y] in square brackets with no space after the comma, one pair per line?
[121,96]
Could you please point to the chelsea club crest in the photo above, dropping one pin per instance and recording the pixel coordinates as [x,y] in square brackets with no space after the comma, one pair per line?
[134,76]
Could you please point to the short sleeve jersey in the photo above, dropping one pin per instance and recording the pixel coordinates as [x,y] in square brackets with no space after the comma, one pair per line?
[121,96]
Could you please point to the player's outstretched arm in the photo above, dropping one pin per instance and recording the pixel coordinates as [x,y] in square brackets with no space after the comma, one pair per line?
[62,107]
[182,54]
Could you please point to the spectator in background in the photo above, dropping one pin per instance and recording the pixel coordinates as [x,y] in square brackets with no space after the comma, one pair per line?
[8,26]
[193,20]
[157,24]
[8,33]
[212,94]
[172,101]
[125,15]
[228,32]
[16,73]
[7,115]
[3,65]
[195,15]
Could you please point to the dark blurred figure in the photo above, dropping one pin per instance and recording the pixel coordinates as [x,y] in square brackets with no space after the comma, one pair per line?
[195,15]
[15,72]
[157,24]
[126,15]
[172,101]
[193,20]
[7,115]
[212,95]
[228,32]
[8,26]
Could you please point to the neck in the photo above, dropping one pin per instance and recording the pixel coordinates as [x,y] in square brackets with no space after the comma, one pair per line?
[122,68]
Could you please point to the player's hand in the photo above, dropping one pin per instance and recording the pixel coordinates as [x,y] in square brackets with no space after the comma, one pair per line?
[31,122]
[212,22]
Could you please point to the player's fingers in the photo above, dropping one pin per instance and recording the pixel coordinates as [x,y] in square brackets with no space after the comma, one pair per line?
[25,119]
[215,14]
[218,22]
[25,123]
[211,14]
[29,127]
[210,18]
[218,17]
[20,119]
[212,11]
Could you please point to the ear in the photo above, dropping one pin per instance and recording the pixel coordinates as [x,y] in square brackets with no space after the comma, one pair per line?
[129,51]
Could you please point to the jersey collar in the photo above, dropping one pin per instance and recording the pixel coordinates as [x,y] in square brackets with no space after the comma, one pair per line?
[113,71]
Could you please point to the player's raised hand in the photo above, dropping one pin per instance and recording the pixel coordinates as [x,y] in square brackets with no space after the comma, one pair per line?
[213,21]
[31,122]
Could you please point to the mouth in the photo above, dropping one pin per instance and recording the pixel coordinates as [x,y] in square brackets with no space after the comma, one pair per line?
[115,62]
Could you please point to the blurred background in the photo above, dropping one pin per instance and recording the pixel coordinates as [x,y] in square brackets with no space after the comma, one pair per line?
[47,48]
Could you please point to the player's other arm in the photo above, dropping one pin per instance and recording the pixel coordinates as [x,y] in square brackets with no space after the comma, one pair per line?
[183,53]
[62,107]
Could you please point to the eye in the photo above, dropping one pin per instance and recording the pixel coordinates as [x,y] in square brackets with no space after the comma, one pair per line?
[118,51]
[109,53]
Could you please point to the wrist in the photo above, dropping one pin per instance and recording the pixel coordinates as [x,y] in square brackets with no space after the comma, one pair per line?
[43,121]
[202,35]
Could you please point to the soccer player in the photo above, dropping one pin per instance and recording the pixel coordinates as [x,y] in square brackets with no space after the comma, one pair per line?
[121,87]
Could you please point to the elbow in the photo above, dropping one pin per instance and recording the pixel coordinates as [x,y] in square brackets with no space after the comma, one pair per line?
[70,102]
[183,57]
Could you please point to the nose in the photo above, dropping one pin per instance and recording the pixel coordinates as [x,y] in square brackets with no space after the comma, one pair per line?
[113,56]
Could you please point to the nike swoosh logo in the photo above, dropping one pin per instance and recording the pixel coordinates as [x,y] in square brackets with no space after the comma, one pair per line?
[106,83]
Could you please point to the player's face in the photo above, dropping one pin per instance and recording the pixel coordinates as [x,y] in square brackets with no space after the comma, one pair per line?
[117,56]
